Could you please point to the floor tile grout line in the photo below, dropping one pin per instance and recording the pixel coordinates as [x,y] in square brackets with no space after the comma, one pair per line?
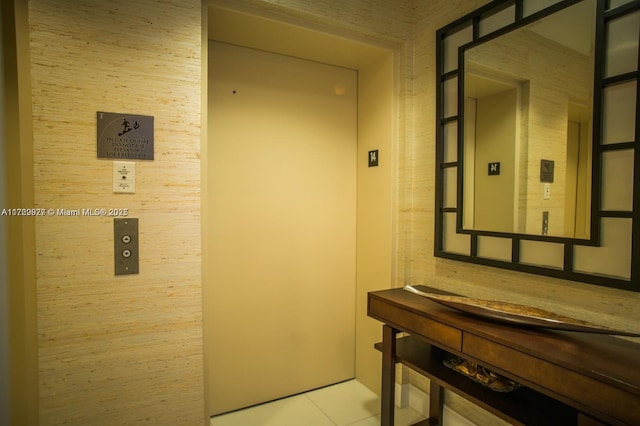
[331,419]
[362,420]
[320,408]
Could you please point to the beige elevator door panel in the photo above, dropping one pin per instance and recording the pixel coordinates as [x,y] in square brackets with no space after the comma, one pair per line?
[281,226]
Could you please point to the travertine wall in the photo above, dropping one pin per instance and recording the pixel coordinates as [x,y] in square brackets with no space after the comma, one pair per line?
[378,20]
[118,349]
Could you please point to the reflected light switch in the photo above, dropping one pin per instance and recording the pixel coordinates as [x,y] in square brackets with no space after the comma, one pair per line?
[124,177]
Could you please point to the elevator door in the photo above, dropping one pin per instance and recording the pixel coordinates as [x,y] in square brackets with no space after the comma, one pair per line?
[280,226]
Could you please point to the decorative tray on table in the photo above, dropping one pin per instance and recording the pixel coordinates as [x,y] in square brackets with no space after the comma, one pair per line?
[514,313]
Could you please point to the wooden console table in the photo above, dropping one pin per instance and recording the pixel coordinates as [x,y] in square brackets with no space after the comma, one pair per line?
[568,378]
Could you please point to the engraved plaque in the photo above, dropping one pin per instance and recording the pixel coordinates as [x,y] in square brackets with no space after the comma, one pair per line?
[125,136]
[546,171]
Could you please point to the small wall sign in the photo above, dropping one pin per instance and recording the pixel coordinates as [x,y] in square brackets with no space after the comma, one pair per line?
[125,136]
[373,158]
[546,171]
[494,169]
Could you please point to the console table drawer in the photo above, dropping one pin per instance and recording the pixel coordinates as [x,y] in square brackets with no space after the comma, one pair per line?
[434,331]
[588,392]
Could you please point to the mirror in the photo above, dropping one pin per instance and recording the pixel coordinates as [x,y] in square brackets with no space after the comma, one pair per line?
[479,56]
[527,127]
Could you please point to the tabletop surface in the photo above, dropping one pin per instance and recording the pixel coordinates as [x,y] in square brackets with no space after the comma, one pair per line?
[606,358]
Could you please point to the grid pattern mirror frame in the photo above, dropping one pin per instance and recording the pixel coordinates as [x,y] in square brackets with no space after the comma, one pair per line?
[611,256]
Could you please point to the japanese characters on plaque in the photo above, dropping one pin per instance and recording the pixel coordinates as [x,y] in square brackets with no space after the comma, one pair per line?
[126,136]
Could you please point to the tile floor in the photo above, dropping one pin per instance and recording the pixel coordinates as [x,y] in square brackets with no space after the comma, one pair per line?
[344,404]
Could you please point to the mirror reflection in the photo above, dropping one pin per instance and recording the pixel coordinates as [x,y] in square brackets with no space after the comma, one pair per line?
[528,127]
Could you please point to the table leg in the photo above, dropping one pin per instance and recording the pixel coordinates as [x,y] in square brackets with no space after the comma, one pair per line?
[436,403]
[388,374]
